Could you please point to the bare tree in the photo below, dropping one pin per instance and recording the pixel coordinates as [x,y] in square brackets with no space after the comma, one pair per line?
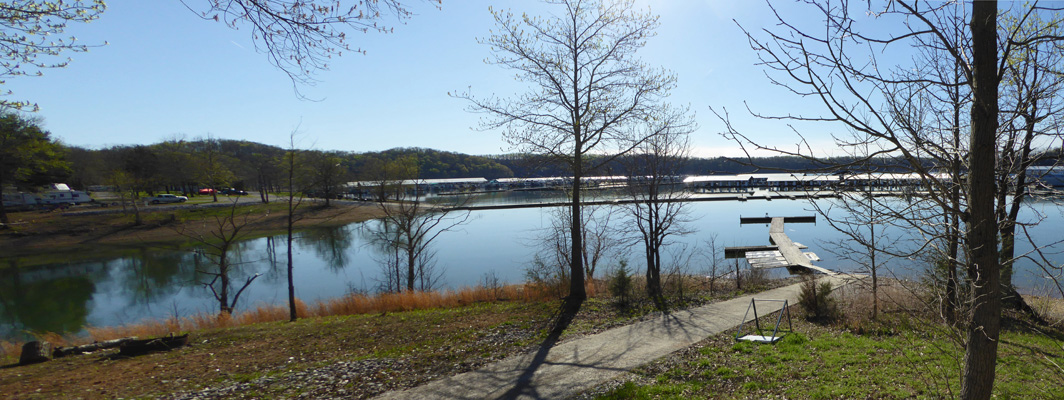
[328,172]
[295,175]
[218,241]
[300,37]
[28,43]
[839,66]
[212,170]
[411,224]
[659,211]
[138,172]
[587,90]
[601,241]
[713,256]
[861,215]
[1031,101]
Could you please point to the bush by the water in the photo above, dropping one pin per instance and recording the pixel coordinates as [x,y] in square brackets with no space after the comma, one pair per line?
[815,299]
[621,283]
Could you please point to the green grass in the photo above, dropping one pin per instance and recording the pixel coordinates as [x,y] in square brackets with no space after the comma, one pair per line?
[825,363]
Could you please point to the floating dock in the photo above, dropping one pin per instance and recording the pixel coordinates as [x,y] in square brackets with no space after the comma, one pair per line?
[783,252]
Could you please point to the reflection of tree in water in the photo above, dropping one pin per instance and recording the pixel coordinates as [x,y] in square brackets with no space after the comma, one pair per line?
[155,274]
[226,262]
[39,304]
[330,244]
[275,271]
[392,250]
[239,257]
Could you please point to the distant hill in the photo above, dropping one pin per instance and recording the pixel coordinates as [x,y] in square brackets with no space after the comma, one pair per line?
[254,164]
[435,164]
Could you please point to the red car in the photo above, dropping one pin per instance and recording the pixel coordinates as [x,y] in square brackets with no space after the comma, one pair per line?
[206,191]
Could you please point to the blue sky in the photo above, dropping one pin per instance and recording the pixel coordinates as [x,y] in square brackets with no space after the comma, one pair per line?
[166,73]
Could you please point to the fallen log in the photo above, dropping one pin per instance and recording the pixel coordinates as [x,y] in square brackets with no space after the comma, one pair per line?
[144,346]
[86,348]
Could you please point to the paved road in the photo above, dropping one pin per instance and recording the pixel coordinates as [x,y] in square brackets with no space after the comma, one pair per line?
[565,370]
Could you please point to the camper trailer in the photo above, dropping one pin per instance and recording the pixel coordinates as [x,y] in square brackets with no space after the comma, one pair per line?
[20,201]
[58,197]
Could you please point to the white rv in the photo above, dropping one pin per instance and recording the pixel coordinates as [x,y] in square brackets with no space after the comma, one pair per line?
[20,201]
[65,197]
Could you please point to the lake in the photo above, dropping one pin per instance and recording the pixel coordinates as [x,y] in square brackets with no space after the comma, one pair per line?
[331,262]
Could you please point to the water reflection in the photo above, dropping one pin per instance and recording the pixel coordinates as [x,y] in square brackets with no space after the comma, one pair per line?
[331,244]
[329,262]
[151,274]
[54,299]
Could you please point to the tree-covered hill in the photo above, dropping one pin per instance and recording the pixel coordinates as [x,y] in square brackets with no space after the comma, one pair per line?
[186,165]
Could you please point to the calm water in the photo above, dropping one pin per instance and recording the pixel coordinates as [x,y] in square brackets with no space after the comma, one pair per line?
[155,283]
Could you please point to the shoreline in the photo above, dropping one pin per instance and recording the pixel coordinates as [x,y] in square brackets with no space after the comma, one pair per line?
[39,238]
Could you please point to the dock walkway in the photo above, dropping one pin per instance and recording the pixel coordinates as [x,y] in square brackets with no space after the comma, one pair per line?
[570,368]
[790,251]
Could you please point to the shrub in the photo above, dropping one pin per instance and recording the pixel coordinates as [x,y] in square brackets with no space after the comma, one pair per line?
[815,299]
[621,283]
[754,279]
[553,279]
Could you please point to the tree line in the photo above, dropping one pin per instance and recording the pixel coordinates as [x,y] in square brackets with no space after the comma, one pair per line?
[185,166]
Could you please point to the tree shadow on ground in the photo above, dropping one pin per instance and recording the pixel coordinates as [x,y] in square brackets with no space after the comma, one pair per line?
[560,322]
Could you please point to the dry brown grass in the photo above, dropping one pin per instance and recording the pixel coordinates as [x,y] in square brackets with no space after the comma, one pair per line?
[1049,308]
[347,305]
[900,302]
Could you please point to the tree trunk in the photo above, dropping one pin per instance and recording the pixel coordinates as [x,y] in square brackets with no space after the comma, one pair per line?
[291,222]
[653,273]
[223,274]
[3,212]
[980,357]
[738,279]
[872,259]
[576,270]
[411,261]
[263,195]
[291,279]
[949,305]
[137,220]
[1009,296]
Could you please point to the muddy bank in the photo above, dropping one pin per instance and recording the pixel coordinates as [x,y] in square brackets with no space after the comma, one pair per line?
[40,237]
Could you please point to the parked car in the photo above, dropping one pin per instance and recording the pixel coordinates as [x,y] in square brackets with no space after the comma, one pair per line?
[232,191]
[206,191]
[165,198]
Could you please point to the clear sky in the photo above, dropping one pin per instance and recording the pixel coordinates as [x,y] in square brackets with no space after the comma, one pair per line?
[167,73]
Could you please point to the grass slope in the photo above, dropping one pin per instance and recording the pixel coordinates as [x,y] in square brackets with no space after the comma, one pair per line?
[902,361]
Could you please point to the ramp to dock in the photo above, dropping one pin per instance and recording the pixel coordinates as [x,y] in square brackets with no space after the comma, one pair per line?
[789,250]
[783,252]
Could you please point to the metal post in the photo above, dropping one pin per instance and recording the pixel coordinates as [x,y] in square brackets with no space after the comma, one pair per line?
[757,322]
[779,319]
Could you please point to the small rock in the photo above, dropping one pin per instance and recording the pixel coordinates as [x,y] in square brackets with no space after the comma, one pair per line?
[35,352]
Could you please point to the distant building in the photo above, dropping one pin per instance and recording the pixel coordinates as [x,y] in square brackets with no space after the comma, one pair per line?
[1051,175]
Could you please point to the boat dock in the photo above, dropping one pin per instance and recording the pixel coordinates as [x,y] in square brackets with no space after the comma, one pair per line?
[736,196]
[783,252]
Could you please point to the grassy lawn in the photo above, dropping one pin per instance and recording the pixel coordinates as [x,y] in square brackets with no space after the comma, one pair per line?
[424,343]
[371,351]
[829,362]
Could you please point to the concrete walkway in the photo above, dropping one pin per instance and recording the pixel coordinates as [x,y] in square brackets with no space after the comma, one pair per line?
[564,370]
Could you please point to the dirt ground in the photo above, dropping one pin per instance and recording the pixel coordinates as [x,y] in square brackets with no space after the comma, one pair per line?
[56,235]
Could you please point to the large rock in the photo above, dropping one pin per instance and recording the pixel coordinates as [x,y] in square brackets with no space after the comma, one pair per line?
[35,352]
